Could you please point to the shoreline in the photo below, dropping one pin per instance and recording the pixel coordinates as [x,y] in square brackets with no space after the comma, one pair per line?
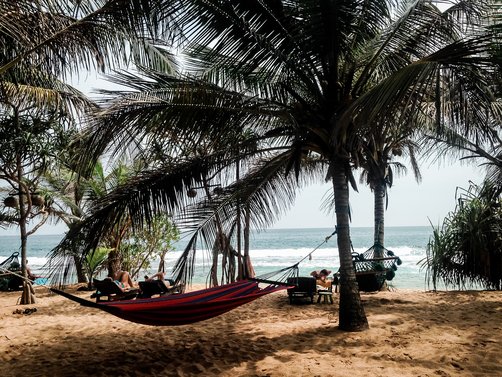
[412,333]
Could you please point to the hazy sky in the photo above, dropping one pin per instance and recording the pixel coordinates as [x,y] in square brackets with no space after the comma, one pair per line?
[410,204]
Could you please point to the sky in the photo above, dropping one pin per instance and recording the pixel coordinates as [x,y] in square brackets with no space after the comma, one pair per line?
[410,203]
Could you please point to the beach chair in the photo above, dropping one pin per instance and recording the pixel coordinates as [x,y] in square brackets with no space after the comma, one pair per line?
[157,287]
[305,287]
[110,290]
[10,271]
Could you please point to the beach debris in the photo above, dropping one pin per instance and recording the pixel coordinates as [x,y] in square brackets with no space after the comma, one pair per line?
[26,311]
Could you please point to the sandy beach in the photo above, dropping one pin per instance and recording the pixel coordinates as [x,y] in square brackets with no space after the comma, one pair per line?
[412,334]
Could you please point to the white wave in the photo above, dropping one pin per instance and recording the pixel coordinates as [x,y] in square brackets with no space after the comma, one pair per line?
[280,258]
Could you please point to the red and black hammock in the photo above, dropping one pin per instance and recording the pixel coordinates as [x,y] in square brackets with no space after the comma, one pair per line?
[181,309]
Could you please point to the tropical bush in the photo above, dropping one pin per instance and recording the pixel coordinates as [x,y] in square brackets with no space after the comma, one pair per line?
[95,262]
[148,243]
[467,249]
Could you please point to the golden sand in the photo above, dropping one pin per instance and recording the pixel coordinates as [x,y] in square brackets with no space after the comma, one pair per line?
[411,334]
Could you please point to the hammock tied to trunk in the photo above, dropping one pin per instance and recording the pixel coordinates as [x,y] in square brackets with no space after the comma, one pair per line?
[10,270]
[374,267]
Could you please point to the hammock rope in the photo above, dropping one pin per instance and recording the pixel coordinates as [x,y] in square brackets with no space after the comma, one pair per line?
[291,271]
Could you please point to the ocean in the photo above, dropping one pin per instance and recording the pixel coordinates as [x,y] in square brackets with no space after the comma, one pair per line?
[274,249]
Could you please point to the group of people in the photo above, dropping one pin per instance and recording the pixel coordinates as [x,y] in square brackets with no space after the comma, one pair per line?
[125,283]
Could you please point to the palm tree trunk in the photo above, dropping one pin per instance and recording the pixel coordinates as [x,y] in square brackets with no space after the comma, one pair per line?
[214,263]
[81,278]
[28,295]
[248,267]
[114,261]
[240,266]
[77,258]
[379,216]
[351,311]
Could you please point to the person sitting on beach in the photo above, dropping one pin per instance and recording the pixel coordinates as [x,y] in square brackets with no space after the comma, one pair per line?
[30,274]
[123,280]
[322,280]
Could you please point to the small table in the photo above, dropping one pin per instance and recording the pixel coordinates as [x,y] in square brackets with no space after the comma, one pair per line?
[326,295]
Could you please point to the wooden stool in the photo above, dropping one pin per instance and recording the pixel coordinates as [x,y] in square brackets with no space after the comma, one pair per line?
[326,295]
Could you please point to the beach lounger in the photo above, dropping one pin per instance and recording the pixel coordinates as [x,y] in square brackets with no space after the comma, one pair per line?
[305,287]
[157,287]
[109,289]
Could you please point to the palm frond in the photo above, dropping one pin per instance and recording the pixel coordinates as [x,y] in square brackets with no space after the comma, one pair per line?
[165,107]
[30,87]
[138,200]
[266,190]
[95,34]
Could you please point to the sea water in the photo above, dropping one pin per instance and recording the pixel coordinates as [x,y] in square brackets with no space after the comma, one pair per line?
[274,249]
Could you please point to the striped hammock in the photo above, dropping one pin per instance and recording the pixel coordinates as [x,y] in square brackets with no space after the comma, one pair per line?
[181,309]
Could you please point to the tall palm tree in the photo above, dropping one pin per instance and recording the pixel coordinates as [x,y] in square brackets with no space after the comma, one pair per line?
[380,148]
[308,77]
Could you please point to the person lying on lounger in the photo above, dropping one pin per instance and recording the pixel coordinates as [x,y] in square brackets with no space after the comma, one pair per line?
[160,276]
[30,274]
[123,280]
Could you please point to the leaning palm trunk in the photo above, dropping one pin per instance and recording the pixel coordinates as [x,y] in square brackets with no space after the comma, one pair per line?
[81,278]
[351,312]
[379,193]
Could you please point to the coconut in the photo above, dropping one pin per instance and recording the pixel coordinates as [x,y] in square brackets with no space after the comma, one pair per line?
[11,201]
[37,200]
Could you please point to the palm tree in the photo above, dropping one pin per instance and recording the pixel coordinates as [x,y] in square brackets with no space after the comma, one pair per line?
[379,149]
[309,78]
